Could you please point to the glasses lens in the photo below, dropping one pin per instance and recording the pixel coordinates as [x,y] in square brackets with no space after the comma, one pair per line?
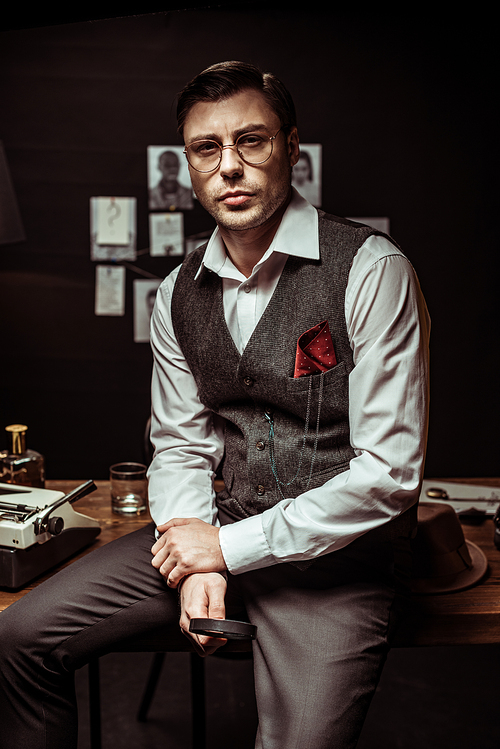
[254,148]
[203,155]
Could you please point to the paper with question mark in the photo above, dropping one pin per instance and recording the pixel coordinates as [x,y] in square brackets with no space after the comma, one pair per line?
[112,221]
[113,231]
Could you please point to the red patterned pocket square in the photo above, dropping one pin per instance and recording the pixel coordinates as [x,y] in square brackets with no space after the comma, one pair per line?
[315,351]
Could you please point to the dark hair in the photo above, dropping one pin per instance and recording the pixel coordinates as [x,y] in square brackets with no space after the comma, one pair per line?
[226,79]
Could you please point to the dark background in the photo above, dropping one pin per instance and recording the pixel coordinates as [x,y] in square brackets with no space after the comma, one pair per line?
[405,108]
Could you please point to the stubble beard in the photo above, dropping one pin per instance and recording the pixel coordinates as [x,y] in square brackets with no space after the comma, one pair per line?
[236,218]
[264,204]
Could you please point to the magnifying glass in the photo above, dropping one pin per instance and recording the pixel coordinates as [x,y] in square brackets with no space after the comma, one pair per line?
[227,628]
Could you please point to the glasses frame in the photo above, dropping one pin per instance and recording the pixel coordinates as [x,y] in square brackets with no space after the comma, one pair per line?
[271,138]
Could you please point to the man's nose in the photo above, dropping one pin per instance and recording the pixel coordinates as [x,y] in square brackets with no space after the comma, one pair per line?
[231,164]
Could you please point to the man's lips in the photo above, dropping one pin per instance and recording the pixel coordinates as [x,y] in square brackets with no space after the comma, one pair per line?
[236,198]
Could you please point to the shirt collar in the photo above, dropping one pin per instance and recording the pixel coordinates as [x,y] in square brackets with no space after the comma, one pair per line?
[297,235]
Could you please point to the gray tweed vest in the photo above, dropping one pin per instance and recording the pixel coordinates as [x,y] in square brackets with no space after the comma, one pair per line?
[242,388]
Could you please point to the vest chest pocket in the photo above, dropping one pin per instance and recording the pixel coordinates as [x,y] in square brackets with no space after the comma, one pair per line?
[332,376]
[334,393]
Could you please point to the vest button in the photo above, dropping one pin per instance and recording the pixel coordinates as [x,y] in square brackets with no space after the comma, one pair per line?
[261,490]
[260,445]
[248,381]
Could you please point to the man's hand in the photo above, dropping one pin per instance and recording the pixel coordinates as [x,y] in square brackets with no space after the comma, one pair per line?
[202,596]
[187,545]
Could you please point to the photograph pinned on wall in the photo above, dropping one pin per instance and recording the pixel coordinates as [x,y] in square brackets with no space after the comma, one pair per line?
[144,300]
[166,234]
[306,174]
[380,223]
[109,290]
[113,232]
[169,183]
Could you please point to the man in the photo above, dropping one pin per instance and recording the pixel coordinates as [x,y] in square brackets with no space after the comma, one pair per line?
[225,335]
[293,348]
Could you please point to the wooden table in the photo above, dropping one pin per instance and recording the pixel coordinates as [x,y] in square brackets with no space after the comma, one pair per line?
[96,505]
[464,618]
[469,617]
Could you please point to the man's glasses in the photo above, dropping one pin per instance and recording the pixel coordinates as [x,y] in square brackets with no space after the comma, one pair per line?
[253,148]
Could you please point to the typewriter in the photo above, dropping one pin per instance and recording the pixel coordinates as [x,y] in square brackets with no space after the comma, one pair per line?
[39,529]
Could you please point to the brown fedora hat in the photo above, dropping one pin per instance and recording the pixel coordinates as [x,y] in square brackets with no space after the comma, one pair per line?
[443,561]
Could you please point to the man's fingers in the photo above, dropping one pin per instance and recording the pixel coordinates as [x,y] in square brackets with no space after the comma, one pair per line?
[160,557]
[216,608]
[175,521]
[204,645]
[202,597]
[207,644]
[158,545]
[210,644]
[190,545]
[173,577]
[195,643]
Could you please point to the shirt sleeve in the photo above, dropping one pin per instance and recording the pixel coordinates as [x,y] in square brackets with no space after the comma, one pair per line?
[388,328]
[188,442]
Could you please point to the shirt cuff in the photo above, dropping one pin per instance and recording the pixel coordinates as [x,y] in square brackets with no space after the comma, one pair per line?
[244,546]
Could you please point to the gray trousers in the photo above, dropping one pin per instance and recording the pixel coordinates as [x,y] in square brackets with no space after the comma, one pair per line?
[323,635]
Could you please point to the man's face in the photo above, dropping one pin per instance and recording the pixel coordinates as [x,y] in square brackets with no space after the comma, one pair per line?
[237,195]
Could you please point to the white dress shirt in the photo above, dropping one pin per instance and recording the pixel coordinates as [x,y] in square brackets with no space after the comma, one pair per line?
[388,329]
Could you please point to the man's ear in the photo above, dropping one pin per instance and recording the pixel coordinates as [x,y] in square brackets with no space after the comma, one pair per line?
[293,146]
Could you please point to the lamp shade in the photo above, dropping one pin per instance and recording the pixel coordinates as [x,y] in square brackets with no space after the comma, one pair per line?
[11,227]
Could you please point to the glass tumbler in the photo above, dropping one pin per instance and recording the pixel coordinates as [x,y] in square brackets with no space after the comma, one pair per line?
[129,488]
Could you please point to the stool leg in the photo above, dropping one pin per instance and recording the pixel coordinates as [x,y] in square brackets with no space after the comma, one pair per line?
[150,688]
[94,704]
[198,701]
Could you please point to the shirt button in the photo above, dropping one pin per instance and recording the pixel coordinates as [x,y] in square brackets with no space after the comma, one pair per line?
[247,288]
[248,381]
[261,490]
[260,445]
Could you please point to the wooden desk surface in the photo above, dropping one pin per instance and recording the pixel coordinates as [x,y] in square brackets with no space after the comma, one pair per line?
[467,617]
[96,505]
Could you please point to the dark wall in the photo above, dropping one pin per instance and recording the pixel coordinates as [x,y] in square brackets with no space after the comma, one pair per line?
[405,112]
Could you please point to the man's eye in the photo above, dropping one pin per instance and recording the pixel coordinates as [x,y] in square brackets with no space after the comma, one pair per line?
[206,148]
[251,140]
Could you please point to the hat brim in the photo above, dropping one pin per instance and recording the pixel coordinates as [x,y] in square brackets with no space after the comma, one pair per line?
[455,582]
